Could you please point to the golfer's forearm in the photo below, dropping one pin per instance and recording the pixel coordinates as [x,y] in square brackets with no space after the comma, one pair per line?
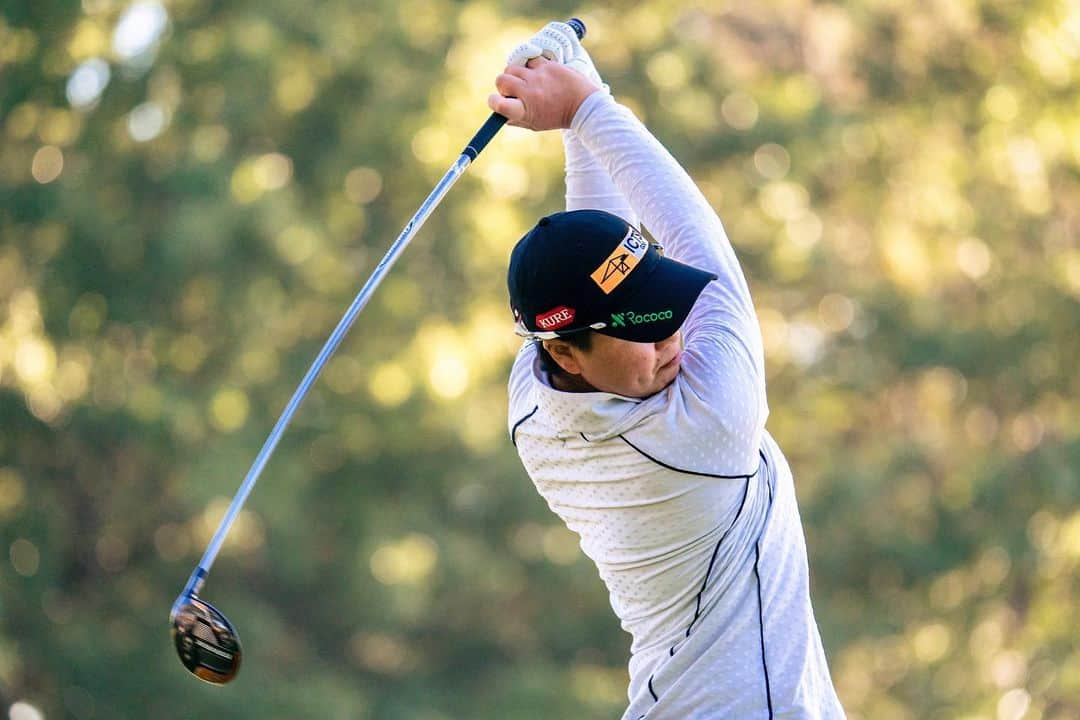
[664,197]
[588,184]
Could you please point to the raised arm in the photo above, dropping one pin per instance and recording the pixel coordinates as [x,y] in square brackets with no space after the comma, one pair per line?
[588,184]
[546,95]
[673,208]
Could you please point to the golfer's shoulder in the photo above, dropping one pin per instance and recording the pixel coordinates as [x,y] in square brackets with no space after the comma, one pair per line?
[696,437]
[711,416]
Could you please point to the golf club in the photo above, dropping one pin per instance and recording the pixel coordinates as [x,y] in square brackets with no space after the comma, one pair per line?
[205,640]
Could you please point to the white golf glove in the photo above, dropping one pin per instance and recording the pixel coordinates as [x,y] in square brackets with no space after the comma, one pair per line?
[557,41]
[588,185]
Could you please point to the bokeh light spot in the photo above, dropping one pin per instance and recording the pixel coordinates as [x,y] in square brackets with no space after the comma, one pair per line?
[242,183]
[295,90]
[561,546]
[527,541]
[408,561]
[431,145]
[12,491]
[88,39]
[390,385]
[146,121]
[907,260]
[1002,104]
[1013,705]
[188,352]
[1008,668]
[449,376]
[296,243]
[667,70]
[799,95]
[931,642]
[784,200]
[772,161]
[25,557]
[229,409]
[272,171]
[739,110]
[363,184]
[73,378]
[379,652]
[806,343]
[86,84]
[973,258]
[1027,431]
[981,425]
[22,710]
[47,164]
[208,142]
[35,360]
[506,180]
[139,29]
[836,311]
[59,127]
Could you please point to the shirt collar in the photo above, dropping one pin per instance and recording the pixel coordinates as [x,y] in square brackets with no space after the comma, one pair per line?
[599,415]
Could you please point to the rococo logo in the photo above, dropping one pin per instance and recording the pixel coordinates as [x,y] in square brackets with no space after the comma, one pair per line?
[620,319]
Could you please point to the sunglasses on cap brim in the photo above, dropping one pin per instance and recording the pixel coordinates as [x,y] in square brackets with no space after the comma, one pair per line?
[520,329]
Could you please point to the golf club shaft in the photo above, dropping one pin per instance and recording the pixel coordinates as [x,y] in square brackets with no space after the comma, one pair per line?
[475,146]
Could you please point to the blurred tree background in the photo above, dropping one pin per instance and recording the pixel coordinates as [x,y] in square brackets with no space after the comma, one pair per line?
[191,192]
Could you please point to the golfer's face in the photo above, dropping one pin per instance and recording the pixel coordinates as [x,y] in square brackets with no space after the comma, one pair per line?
[628,368]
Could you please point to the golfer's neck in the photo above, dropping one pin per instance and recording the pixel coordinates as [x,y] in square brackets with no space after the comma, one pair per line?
[570,383]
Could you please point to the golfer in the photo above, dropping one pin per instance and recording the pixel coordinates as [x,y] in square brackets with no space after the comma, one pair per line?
[638,409]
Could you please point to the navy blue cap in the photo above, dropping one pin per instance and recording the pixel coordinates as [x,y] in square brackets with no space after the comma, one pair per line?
[589,269]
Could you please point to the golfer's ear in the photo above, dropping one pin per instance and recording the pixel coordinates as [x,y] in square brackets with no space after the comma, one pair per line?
[562,353]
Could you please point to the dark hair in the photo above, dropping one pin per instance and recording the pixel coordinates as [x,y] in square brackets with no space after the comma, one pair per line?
[581,340]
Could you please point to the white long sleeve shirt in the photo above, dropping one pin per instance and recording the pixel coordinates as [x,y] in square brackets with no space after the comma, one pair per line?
[682,500]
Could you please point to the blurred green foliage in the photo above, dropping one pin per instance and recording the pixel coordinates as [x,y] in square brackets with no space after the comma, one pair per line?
[192,191]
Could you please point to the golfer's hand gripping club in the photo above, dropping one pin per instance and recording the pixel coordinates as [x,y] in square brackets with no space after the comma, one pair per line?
[497,120]
[546,80]
[205,640]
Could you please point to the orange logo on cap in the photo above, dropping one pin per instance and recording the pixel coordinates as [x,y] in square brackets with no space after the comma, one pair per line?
[620,262]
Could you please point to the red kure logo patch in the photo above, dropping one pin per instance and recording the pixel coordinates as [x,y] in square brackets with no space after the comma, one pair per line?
[557,318]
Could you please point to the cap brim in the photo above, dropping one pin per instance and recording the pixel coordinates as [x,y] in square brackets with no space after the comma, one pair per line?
[660,307]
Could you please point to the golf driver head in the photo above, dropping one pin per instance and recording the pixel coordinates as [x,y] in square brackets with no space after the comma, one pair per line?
[205,640]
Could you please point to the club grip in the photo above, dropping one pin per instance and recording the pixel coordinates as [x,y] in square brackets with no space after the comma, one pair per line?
[483,135]
[496,121]
[578,26]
